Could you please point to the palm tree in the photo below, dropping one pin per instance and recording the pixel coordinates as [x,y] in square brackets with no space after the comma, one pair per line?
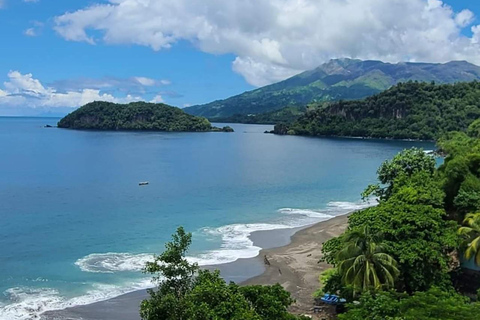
[471,231]
[363,263]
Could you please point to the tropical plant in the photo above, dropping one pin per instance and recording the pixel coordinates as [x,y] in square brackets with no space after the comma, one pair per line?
[185,292]
[471,232]
[433,304]
[363,263]
[406,163]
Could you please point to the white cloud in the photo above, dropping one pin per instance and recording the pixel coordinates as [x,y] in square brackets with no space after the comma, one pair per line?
[464,18]
[157,99]
[145,81]
[30,32]
[137,85]
[23,90]
[273,39]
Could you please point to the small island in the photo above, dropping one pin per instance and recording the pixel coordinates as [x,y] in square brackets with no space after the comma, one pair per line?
[142,116]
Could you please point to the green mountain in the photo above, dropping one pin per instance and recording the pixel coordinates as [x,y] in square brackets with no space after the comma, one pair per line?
[101,115]
[339,79]
[412,110]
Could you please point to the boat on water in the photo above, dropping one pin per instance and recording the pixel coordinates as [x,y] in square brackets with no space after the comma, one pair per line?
[143,183]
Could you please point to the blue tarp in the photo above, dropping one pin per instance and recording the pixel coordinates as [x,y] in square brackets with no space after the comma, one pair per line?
[332,299]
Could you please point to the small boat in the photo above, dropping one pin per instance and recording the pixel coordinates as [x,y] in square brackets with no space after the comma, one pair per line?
[143,183]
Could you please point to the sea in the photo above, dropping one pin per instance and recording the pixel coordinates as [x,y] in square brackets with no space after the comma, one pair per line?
[76,227]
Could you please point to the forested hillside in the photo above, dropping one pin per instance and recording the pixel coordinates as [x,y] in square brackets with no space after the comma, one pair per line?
[335,80]
[411,110]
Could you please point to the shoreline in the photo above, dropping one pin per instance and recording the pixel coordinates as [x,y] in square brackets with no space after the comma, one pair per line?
[293,254]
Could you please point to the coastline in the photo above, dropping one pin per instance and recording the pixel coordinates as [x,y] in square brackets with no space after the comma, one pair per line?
[293,255]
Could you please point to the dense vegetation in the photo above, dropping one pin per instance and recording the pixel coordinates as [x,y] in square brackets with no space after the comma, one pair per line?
[101,115]
[336,80]
[285,115]
[411,110]
[400,259]
[186,292]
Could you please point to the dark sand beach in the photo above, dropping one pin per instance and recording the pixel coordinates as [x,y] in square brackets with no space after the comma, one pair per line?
[293,255]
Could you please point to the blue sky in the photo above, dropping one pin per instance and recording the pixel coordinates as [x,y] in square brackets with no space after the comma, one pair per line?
[59,54]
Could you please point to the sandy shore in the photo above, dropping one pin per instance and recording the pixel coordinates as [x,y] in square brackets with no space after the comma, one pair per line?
[296,266]
[293,255]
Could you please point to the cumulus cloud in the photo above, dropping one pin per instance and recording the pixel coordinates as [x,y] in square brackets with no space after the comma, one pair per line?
[25,91]
[30,32]
[157,99]
[274,39]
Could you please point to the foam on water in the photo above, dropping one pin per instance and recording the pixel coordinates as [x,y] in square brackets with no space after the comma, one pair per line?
[112,262]
[28,303]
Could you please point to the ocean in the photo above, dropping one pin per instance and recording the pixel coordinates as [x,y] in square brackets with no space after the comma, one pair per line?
[77,228]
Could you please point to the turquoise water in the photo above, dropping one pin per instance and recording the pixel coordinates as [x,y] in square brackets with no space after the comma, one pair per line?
[77,228]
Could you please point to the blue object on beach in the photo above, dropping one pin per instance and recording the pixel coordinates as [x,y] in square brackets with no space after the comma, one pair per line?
[332,299]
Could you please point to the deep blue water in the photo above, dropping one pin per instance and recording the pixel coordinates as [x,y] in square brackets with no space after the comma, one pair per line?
[76,227]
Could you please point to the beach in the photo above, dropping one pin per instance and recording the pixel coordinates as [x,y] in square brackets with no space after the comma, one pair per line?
[292,255]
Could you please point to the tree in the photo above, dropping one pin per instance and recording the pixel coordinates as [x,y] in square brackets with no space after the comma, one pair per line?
[175,278]
[474,129]
[414,230]
[471,232]
[406,163]
[461,173]
[433,304]
[212,298]
[185,292]
[363,263]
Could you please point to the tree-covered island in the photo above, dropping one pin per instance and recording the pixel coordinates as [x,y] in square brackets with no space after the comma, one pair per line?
[100,115]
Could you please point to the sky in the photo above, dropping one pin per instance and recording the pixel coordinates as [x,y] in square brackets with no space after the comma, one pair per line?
[59,55]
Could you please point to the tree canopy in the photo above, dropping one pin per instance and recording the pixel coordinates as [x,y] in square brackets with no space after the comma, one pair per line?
[185,292]
[101,115]
[412,110]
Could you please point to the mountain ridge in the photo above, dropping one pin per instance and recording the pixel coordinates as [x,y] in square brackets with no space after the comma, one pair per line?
[338,79]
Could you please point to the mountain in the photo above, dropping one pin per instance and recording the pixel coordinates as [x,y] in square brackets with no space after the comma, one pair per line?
[412,110]
[101,115]
[339,79]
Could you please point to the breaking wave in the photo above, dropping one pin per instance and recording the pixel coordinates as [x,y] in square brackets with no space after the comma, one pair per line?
[29,303]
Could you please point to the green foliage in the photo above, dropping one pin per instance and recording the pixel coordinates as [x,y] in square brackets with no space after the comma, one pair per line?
[474,129]
[411,110]
[363,263]
[211,298]
[461,173]
[330,249]
[406,164]
[416,236]
[175,278]
[284,115]
[330,282]
[269,302]
[335,80]
[186,292]
[133,116]
[414,230]
[433,304]
[471,235]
